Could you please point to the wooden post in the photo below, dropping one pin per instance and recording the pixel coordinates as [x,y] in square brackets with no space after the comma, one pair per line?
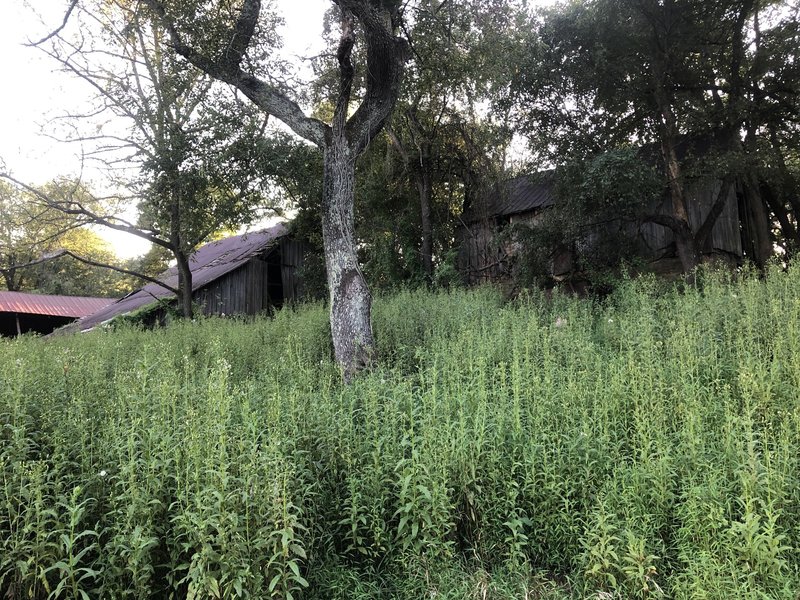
[19,329]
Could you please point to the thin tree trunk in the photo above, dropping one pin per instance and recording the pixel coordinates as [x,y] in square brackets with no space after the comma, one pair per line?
[758,228]
[423,179]
[184,285]
[756,204]
[684,237]
[350,300]
[421,176]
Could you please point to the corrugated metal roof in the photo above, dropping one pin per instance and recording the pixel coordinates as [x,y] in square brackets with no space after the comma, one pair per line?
[518,195]
[529,192]
[52,306]
[208,263]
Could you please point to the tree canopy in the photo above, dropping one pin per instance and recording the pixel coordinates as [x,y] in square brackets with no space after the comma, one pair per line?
[605,74]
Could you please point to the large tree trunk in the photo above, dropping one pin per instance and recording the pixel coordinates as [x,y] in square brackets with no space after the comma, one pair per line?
[182,260]
[757,227]
[350,300]
[685,243]
[348,136]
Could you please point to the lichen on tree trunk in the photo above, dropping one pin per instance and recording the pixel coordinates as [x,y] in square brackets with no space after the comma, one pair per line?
[350,300]
[348,135]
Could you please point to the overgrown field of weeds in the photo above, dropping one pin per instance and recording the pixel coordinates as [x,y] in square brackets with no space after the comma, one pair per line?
[644,446]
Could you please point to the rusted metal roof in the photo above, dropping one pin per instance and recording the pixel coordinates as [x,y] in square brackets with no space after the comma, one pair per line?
[52,306]
[208,263]
[518,195]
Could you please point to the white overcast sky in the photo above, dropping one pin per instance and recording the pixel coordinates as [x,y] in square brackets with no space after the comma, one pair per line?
[32,93]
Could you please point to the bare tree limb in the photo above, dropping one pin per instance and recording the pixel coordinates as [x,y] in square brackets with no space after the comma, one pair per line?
[73,207]
[398,145]
[60,28]
[63,252]
[667,221]
[265,96]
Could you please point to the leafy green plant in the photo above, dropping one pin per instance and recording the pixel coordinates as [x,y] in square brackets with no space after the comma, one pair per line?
[74,578]
[644,446]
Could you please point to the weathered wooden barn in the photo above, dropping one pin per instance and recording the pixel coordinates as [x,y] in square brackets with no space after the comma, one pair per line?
[483,255]
[486,255]
[241,275]
[39,313]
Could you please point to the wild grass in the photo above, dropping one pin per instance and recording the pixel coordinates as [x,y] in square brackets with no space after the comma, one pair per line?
[645,446]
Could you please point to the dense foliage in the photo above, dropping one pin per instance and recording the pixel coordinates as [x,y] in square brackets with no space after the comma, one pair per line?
[602,74]
[643,447]
[600,205]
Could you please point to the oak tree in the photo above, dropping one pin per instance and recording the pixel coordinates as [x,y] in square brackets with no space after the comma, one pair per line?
[222,39]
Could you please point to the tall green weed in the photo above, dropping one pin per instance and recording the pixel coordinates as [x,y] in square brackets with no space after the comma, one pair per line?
[644,446]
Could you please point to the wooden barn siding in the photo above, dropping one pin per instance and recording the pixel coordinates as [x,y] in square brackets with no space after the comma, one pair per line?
[292,255]
[479,249]
[479,253]
[243,291]
[248,290]
[725,236]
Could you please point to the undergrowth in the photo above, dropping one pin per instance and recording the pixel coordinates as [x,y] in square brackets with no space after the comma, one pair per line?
[645,446]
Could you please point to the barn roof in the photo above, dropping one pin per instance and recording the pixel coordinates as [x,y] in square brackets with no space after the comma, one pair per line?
[51,306]
[208,263]
[527,193]
[518,195]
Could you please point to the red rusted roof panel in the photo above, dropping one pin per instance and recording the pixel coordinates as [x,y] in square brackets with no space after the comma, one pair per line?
[54,306]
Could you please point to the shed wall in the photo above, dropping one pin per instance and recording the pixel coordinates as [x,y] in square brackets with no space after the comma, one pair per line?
[12,324]
[242,291]
[725,236]
[482,256]
[292,254]
[267,280]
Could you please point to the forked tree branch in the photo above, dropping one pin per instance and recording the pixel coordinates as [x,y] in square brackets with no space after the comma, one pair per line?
[60,28]
[386,58]
[228,70]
